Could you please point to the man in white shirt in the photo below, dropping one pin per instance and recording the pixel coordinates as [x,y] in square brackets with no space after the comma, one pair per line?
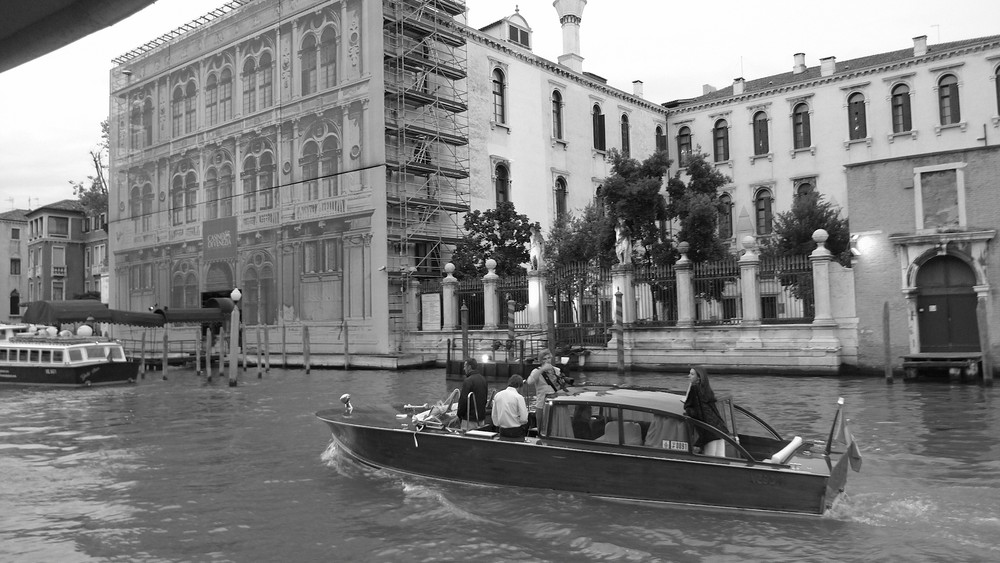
[510,414]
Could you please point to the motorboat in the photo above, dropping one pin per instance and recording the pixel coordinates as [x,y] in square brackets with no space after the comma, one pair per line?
[44,356]
[623,443]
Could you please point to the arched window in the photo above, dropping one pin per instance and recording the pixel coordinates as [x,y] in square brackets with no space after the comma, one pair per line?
[265,80]
[328,57]
[626,145]
[190,108]
[804,188]
[191,197]
[557,116]
[328,167]
[720,140]
[309,64]
[683,146]
[249,86]
[226,190]
[857,122]
[661,139]
[560,198]
[499,96]
[212,194]
[502,182]
[147,205]
[15,303]
[177,201]
[725,216]
[147,122]
[762,204]
[951,111]
[265,181]
[310,170]
[177,112]
[226,95]
[801,131]
[212,100]
[901,121]
[598,119]
[250,184]
[761,145]
[135,203]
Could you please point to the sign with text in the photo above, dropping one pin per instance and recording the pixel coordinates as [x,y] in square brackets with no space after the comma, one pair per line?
[219,238]
[430,305]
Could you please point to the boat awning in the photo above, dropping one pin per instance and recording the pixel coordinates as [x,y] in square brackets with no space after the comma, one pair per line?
[55,313]
[200,315]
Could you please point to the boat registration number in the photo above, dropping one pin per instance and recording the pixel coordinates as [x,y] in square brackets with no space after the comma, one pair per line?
[675,445]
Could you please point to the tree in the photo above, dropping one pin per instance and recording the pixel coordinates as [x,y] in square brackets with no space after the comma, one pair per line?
[501,234]
[632,193]
[93,192]
[794,229]
[581,239]
[696,206]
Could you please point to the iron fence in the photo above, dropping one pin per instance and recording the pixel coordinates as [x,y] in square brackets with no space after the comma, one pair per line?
[717,292]
[786,290]
[655,289]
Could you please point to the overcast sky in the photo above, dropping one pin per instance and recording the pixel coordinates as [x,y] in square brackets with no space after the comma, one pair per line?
[51,108]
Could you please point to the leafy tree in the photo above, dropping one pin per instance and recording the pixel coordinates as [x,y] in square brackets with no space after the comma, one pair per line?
[93,192]
[794,229]
[793,232]
[581,239]
[501,234]
[632,193]
[696,206]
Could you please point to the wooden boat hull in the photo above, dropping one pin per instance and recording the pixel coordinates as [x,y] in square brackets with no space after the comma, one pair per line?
[105,373]
[611,471]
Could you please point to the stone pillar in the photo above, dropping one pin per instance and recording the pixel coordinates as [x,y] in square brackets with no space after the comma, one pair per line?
[621,280]
[685,287]
[820,260]
[824,328]
[449,299]
[750,289]
[491,315]
[412,306]
[538,299]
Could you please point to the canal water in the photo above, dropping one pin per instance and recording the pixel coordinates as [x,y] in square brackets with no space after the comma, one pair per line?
[181,470]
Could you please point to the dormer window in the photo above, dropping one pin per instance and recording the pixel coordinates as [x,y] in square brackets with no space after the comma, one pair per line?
[518,35]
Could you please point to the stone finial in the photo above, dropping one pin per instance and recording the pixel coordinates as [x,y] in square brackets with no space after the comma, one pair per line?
[449,269]
[491,266]
[820,236]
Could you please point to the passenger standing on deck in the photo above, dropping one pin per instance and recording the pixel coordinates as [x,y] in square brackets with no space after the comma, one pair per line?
[472,401]
[700,404]
[510,415]
[546,381]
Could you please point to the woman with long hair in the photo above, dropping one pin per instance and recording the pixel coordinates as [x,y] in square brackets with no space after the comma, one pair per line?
[700,404]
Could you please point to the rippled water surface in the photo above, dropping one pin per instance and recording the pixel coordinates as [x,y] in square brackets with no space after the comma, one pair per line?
[181,470]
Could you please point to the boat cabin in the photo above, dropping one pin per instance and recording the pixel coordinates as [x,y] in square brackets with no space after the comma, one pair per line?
[652,422]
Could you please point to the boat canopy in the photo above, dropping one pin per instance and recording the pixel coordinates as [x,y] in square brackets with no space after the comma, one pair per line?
[55,313]
[664,401]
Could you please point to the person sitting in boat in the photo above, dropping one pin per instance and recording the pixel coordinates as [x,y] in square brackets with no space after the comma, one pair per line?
[700,405]
[472,400]
[547,379]
[510,414]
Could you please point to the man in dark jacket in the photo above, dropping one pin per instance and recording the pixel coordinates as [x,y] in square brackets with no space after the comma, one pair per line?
[472,401]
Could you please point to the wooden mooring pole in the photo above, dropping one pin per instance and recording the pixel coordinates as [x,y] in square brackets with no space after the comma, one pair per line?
[208,354]
[347,348]
[887,342]
[984,342]
[260,374]
[305,346]
[166,352]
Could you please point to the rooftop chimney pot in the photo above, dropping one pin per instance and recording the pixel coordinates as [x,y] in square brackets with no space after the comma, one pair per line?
[920,46]
[827,66]
[800,63]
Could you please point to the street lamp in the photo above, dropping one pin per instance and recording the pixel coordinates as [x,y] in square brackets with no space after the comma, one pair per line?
[234,335]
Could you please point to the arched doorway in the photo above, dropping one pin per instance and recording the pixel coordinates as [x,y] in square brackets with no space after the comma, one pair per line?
[946,306]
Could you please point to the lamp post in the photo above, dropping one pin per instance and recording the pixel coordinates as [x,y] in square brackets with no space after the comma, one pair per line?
[234,335]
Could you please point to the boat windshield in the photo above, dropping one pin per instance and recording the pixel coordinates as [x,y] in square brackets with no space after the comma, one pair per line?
[632,427]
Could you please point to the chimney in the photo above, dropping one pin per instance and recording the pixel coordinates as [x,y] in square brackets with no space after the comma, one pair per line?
[707,89]
[637,88]
[920,46]
[827,66]
[570,13]
[800,63]
[738,86]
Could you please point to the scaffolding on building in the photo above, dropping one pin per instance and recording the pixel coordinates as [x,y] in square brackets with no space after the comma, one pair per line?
[426,132]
